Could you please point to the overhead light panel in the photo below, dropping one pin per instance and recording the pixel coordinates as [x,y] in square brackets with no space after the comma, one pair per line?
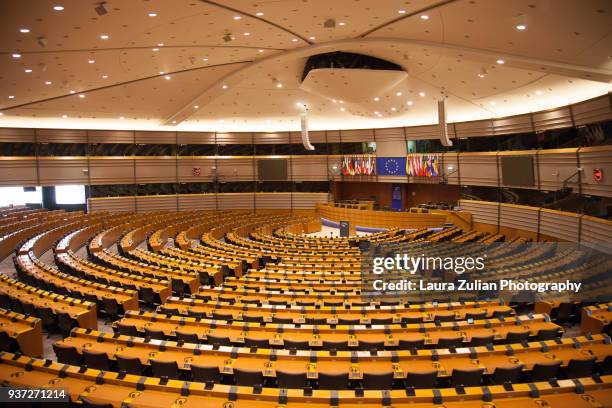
[237,18]
[501,61]
[401,11]
[424,17]
[421,94]
[24,30]
[58,8]
[91,61]
[152,14]
[104,37]
[259,14]
[521,27]
[16,55]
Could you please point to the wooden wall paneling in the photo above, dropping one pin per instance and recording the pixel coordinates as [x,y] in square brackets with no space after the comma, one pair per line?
[112,204]
[590,159]
[309,168]
[552,119]
[186,164]
[555,166]
[315,137]
[110,136]
[597,231]
[242,201]
[333,136]
[156,203]
[359,135]
[519,216]
[593,110]
[479,169]
[559,224]
[61,136]
[192,202]
[307,201]
[474,128]
[273,200]
[485,212]
[111,170]
[424,132]
[388,135]
[62,170]
[160,169]
[14,135]
[154,137]
[272,138]
[233,138]
[196,138]
[18,171]
[512,124]
[232,168]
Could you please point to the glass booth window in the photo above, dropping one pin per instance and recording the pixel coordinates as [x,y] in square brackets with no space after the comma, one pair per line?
[70,194]
[20,196]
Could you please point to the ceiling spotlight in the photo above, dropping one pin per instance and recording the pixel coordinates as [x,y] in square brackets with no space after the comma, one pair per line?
[538,92]
[104,76]
[398,94]
[259,14]
[228,37]
[11,97]
[394,109]
[341,23]
[174,122]
[237,17]
[155,49]
[64,116]
[104,37]
[312,38]
[402,11]
[204,59]
[410,103]
[42,42]
[47,82]
[341,101]
[376,113]
[294,40]
[196,106]
[424,17]
[72,92]
[81,96]
[167,77]
[152,14]
[334,101]
[521,27]
[260,51]
[421,94]
[342,109]
[483,73]
[279,85]
[501,61]
[16,55]
[246,34]
[160,44]
[224,87]
[376,99]
[24,30]
[58,8]
[27,70]
[100,9]
[492,103]
[91,61]
[380,115]
[162,72]
[121,118]
[1,114]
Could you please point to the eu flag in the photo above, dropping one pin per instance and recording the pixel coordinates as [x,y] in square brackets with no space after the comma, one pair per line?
[391,166]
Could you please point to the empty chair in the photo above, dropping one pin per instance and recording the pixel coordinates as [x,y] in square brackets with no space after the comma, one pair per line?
[348,322]
[421,380]
[170,310]
[334,345]
[547,334]
[411,344]
[178,287]
[29,309]
[378,381]
[449,342]
[304,303]
[333,381]
[389,302]
[201,373]
[5,301]
[97,360]
[251,318]
[259,343]
[248,378]
[154,334]
[333,304]
[444,318]
[277,302]
[291,380]
[49,320]
[187,337]
[67,354]
[87,403]
[545,371]
[65,323]
[563,313]
[16,305]
[503,375]
[316,320]
[475,315]
[412,320]
[477,341]
[282,320]
[502,313]
[466,378]
[382,320]
[194,313]
[223,316]
[7,343]
[127,329]
[295,345]
[371,345]
[218,341]
[577,368]
[165,369]
[112,308]
[129,365]
[147,295]
[516,337]
[255,302]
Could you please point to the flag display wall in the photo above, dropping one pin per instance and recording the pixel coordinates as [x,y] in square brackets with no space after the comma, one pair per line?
[358,165]
[423,165]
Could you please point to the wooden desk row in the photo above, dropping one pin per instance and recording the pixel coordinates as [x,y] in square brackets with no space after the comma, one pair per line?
[80,310]
[596,318]
[26,330]
[145,392]
[314,335]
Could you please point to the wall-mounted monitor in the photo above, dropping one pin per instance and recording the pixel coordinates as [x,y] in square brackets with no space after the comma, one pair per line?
[272,169]
[517,170]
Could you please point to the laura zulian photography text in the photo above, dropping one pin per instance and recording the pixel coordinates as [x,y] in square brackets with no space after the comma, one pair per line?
[476,285]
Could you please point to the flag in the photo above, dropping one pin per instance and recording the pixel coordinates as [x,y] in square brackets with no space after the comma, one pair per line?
[391,166]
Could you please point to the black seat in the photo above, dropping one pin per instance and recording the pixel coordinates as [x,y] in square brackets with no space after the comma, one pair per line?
[291,380]
[547,334]
[187,337]
[129,365]
[5,301]
[503,375]
[449,342]
[466,378]
[382,320]
[97,360]
[412,320]
[170,311]
[577,368]
[295,345]
[29,309]
[421,380]
[193,313]
[112,308]
[67,354]
[475,315]
[516,337]
[502,313]
[155,334]
[201,373]
[165,369]
[147,295]
[411,344]
[334,345]
[259,343]
[377,381]
[332,304]
[371,345]
[545,371]
[218,341]
[444,318]
[248,378]
[282,320]
[223,316]
[49,320]
[333,381]
[389,302]
[127,329]
[65,323]
[277,302]
[477,341]
[7,343]
[316,320]
[251,318]
[87,403]
[348,322]
[178,287]
[16,305]
[304,303]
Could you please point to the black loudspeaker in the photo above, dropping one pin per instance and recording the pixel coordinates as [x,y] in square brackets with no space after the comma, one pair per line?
[344,228]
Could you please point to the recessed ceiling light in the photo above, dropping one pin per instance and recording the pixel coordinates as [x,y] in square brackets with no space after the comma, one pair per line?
[160,44]
[493,103]
[104,76]
[167,77]
[48,82]
[394,109]
[58,8]
[16,55]
[279,85]
[259,14]
[81,96]
[342,23]
[152,14]
[121,118]
[481,75]
[501,61]
[222,121]
[64,116]
[538,92]
[1,114]
[24,30]
[162,72]
[27,70]
[261,50]
[410,103]
[398,94]
[376,99]
[312,38]
[174,121]
[11,97]
[155,49]
[380,115]
[424,17]
[294,40]
[246,34]
[91,61]
[104,37]
[204,59]
[196,106]
[341,101]
[402,11]
[421,93]
[521,27]
[376,113]
[224,87]
[342,109]
[237,17]
[72,92]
